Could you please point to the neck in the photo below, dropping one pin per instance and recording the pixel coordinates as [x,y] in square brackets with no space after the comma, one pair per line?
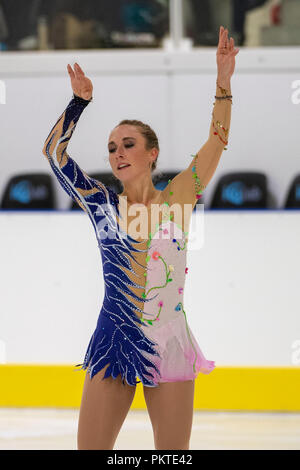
[140,195]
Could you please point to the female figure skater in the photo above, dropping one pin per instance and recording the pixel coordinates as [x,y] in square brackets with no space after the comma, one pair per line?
[142,329]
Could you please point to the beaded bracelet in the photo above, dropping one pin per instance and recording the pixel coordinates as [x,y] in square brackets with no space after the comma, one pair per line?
[224,92]
[223,97]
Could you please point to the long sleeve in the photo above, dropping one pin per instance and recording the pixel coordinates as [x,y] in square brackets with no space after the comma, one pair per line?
[190,183]
[86,191]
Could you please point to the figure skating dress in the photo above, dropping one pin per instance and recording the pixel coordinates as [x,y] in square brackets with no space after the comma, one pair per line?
[142,330]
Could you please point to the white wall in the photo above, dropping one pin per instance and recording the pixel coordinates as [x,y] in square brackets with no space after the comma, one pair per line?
[241,296]
[243,299]
[173,92]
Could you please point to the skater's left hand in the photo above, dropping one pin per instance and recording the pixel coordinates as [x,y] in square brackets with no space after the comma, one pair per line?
[226,53]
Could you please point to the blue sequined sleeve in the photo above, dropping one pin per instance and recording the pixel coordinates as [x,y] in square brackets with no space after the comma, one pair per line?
[86,191]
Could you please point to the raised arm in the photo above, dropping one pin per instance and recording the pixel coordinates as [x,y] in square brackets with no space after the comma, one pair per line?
[206,160]
[194,179]
[86,191]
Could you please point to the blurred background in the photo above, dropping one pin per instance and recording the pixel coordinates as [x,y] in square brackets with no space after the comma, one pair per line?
[154,61]
[68,24]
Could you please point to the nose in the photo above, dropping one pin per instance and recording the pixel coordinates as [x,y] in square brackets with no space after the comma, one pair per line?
[120,150]
[119,158]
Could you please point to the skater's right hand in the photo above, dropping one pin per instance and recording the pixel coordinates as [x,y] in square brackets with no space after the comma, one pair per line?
[81,85]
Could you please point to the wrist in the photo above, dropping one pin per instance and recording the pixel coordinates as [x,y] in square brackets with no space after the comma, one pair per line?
[223,83]
[82,100]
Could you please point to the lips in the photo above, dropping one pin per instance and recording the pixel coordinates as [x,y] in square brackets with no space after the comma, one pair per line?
[127,165]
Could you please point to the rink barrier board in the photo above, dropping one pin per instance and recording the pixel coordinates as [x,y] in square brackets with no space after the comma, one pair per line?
[225,388]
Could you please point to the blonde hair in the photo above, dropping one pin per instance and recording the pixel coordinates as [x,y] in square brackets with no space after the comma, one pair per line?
[147,133]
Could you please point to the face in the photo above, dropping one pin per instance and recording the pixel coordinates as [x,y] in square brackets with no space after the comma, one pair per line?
[127,145]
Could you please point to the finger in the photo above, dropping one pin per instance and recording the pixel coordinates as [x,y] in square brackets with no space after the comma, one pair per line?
[234,52]
[70,71]
[231,44]
[78,69]
[224,38]
[220,32]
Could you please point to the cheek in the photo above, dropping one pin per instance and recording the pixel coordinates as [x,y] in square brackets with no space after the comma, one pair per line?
[110,158]
[139,159]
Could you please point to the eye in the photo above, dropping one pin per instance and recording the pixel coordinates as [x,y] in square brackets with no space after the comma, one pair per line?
[112,150]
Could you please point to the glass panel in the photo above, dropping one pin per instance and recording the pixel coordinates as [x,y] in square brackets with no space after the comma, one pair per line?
[82,24]
[200,21]
[251,23]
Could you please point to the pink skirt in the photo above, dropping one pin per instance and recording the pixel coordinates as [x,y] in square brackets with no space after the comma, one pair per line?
[181,357]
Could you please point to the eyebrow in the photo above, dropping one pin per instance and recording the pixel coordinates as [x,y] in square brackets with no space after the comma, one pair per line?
[124,138]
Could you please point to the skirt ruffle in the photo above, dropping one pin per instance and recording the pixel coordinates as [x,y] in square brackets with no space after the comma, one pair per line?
[168,353]
[180,355]
[125,348]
